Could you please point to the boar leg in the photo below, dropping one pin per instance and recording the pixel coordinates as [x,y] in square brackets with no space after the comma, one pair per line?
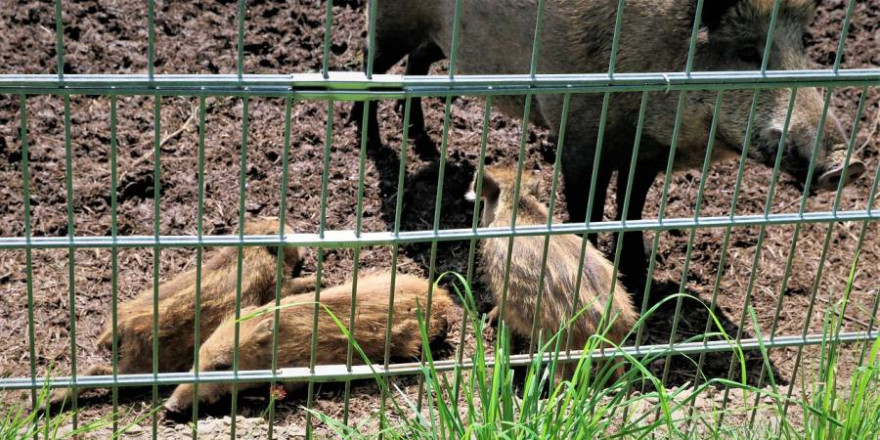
[387,53]
[418,63]
[633,262]
[577,173]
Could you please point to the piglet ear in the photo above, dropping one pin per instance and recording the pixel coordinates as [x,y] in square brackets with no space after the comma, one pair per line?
[714,11]
[264,331]
[488,186]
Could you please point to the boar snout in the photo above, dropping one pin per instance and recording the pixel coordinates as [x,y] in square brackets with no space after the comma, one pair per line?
[833,170]
[830,166]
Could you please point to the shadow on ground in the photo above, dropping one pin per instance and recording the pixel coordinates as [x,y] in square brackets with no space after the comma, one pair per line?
[456,212]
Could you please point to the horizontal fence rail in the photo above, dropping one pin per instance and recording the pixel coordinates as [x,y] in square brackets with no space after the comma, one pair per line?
[357,86]
[350,238]
[331,373]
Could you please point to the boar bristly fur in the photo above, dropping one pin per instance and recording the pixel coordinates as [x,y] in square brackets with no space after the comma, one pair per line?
[560,301]
[295,331]
[177,305]
[496,37]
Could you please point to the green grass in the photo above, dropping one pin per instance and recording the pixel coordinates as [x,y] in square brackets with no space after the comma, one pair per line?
[20,422]
[486,404]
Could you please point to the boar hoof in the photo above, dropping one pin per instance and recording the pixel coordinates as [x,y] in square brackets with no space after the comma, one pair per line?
[830,179]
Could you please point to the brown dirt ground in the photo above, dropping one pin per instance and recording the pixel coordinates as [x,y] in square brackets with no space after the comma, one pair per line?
[283,37]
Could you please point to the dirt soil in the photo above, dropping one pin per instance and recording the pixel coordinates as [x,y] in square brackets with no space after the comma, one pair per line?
[284,37]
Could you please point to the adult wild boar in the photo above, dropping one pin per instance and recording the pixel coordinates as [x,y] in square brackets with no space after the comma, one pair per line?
[496,37]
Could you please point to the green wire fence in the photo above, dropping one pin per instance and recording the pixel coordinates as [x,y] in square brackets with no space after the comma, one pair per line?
[336,86]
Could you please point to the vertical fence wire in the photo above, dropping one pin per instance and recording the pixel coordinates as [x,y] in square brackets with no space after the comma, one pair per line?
[600,138]
[157,189]
[606,318]
[841,184]
[535,335]
[71,255]
[29,269]
[768,45]
[819,270]
[746,144]
[527,107]
[239,265]
[197,323]
[664,197]
[356,257]
[856,254]
[371,38]
[157,250]
[865,225]
[533,68]
[698,206]
[114,262]
[771,29]
[59,39]
[652,260]
[151,38]
[826,244]
[456,31]
[472,246]
[780,149]
[59,53]
[328,38]
[325,66]
[398,205]
[280,268]
[806,191]
[505,284]
[829,93]
[239,65]
[850,149]
[736,191]
[441,175]
[438,205]
[319,272]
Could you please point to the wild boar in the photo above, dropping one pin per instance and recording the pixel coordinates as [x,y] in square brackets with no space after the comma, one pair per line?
[559,299]
[295,331]
[496,37]
[177,306]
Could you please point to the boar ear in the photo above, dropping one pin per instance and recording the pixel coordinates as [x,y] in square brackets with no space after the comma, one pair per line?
[714,10]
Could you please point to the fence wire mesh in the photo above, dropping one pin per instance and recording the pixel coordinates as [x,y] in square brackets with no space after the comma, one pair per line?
[373,87]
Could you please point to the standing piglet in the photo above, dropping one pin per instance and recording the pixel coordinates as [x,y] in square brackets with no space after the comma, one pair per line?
[295,331]
[177,306]
[559,299]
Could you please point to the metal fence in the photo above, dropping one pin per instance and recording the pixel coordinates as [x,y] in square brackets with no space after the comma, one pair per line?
[335,86]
